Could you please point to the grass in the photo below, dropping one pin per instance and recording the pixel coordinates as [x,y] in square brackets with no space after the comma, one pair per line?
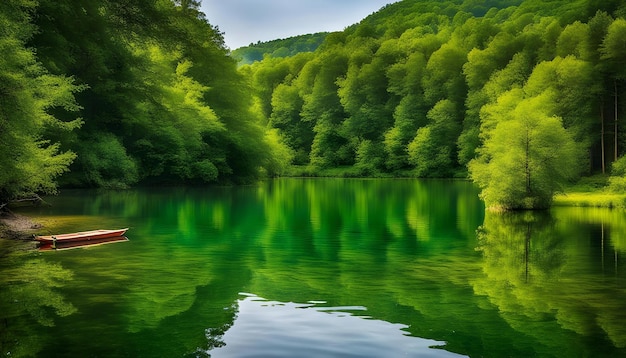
[598,199]
[591,192]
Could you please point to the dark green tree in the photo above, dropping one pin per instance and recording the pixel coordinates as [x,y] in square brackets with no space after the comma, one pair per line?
[432,151]
[323,108]
[29,98]
[614,54]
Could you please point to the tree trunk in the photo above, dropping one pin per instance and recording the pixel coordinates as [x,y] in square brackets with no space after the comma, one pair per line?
[616,108]
[602,136]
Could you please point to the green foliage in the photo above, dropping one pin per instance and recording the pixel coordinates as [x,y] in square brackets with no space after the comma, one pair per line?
[575,40]
[617,180]
[419,86]
[614,47]
[434,84]
[526,159]
[39,166]
[279,48]
[597,199]
[296,133]
[105,163]
[619,167]
[369,157]
[444,77]
[160,98]
[174,121]
[281,154]
[432,149]
[28,96]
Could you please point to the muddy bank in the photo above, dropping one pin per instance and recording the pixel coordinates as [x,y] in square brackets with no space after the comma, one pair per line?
[17,227]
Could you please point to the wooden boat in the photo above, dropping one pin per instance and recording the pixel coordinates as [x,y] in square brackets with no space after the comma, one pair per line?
[82,236]
[68,245]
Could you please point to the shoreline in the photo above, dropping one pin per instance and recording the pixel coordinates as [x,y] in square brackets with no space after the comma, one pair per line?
[18,227]
[16,234]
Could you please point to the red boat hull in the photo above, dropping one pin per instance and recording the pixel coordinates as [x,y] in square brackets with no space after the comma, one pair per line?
[82,236]
[68,245]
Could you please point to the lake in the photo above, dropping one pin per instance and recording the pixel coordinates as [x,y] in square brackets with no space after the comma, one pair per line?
[317,268]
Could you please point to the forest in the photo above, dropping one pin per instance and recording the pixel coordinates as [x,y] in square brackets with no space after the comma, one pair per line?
[109,93]
[519,96]
[278,48]
[523,97]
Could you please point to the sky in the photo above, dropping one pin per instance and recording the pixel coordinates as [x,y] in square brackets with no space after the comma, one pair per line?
[248,21]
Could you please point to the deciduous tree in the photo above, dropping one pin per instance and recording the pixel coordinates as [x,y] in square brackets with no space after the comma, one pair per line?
[527,157]
[28,95]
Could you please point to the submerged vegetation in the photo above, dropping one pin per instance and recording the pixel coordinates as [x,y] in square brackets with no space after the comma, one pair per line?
[521,96]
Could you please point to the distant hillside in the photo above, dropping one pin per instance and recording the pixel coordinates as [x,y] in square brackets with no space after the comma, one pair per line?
[279,48]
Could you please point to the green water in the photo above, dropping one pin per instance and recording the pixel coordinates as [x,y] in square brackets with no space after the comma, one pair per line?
[318,268]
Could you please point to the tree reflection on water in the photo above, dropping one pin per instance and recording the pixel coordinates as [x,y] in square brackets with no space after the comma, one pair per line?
[531,273]
[29,293]
[528,284]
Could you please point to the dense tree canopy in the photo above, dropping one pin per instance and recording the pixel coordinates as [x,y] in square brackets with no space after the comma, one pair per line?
[28,95]
[527,156]
[117,93]
[423,88]
[279,48]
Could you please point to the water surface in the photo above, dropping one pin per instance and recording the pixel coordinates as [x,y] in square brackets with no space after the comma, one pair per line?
[318,268]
